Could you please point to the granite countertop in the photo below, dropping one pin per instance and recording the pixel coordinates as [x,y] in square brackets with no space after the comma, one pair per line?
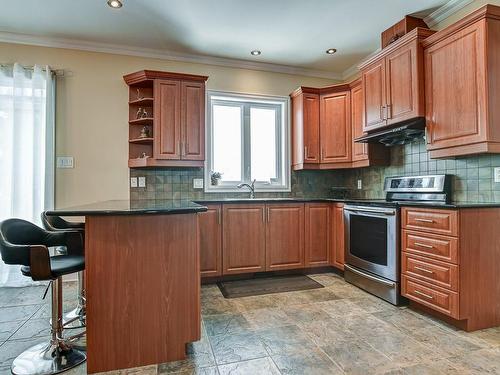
[126,207]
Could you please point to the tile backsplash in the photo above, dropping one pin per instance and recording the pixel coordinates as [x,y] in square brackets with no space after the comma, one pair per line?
[177,183]
[473,179]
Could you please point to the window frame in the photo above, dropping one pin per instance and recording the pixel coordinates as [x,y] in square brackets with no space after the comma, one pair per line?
[246,102]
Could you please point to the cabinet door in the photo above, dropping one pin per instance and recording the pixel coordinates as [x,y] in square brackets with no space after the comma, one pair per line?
[359,150]
[403,72]
[193,120]
[167,120]
[335,127]
[373,82]
[338,248]
[317,233]
[210,227]
[244,238]
[311,128]
[455,89]
[284,236]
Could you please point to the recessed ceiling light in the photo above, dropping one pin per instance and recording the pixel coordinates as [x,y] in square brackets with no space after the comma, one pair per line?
[331,51]
[255,52]
[115,4]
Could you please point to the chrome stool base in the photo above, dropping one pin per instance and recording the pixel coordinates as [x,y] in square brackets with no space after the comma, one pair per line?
[47,359]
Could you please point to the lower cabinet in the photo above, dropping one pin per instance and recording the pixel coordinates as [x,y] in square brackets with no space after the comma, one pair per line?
[258,237]
[317,234]
[210,228]
[244,238]
[284,236]
[338,242]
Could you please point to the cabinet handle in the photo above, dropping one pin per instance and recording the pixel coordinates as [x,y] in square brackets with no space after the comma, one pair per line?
[186,148]
[382,112]
[180,147]
[388,111]
[268,215]
[423,269]
[423,294]
[219,216]
[424,245]
[322,154]
[263,215]
[305,152]
[424,220]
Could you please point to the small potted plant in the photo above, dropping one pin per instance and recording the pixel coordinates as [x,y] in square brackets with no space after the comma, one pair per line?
[215,178]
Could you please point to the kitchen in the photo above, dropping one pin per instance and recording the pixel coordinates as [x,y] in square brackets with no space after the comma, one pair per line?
[356,234]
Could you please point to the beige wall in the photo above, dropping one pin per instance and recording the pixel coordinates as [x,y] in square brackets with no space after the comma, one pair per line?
[92,111]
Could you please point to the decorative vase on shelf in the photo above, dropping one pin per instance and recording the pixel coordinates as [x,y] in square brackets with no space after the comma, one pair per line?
[215,178]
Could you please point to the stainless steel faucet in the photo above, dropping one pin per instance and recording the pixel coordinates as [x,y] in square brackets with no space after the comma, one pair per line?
[250,186]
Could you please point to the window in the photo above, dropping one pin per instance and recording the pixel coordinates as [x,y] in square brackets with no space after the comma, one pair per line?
[247,139]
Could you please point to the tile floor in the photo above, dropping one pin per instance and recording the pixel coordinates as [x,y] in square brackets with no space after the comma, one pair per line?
[338,329]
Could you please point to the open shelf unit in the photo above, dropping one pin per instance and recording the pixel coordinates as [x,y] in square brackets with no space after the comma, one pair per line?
[141,98]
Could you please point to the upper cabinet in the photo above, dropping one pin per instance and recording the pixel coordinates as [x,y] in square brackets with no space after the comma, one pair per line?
[363,154]
[335,127]
[305,127]
[393,82]
[462,79]
[167,119]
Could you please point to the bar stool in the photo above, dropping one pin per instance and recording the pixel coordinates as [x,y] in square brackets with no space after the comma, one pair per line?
[55,224]
[25,244]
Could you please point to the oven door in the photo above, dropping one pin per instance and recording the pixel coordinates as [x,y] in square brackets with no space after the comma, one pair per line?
[372,240]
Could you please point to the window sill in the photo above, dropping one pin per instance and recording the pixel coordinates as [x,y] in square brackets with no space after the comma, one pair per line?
[224,189]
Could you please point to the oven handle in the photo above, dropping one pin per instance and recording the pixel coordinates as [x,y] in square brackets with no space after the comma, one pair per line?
[371,277]
[357,209]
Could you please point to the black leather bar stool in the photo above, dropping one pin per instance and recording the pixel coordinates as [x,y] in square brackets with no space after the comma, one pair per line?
[25,244]
[55,224]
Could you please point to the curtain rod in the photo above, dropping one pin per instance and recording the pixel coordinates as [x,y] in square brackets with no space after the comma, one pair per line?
[56,72]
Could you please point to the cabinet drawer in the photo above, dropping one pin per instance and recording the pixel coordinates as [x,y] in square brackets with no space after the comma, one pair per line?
[431,220]
[437,273]
[430,245]
[438,299]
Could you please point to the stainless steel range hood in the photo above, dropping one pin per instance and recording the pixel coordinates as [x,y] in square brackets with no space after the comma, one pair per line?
[404,132]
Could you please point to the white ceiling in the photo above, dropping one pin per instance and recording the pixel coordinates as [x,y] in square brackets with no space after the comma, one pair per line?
[292,33]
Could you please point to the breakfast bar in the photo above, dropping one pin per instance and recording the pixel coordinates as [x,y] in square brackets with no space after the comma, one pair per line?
[142,281]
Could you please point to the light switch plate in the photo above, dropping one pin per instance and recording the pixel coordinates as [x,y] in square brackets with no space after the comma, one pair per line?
[142,182]
[64,162]
[133,182]
[496,173]
[360,184]
[197,183]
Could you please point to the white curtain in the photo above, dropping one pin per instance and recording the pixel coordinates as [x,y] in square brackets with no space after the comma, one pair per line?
[27,102]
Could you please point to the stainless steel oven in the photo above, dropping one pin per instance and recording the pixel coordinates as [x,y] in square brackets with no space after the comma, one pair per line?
[372,249]
[372,253]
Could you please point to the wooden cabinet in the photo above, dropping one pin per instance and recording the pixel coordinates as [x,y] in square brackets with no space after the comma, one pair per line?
[449,263]
[167,129]
[317,234]
[244,238]
[462,81]
[284,236]
[210,227]
[171,107]
[193,120]
[305,128]
[335,127]
[363,155]
[338,243]
[393,82]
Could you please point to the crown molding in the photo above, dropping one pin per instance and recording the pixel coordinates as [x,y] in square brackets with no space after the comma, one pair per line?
[445,11]
[349,72]
[120,49]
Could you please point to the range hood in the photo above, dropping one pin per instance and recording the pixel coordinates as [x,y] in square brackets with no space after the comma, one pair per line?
[405,132]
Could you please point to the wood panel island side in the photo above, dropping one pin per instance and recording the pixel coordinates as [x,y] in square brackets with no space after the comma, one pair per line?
[142,282]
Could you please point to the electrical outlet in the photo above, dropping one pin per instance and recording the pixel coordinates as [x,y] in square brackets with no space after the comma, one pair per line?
[64,162]
[496,173]
[142,182]
[197,183]
[360,184]
[133,182]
